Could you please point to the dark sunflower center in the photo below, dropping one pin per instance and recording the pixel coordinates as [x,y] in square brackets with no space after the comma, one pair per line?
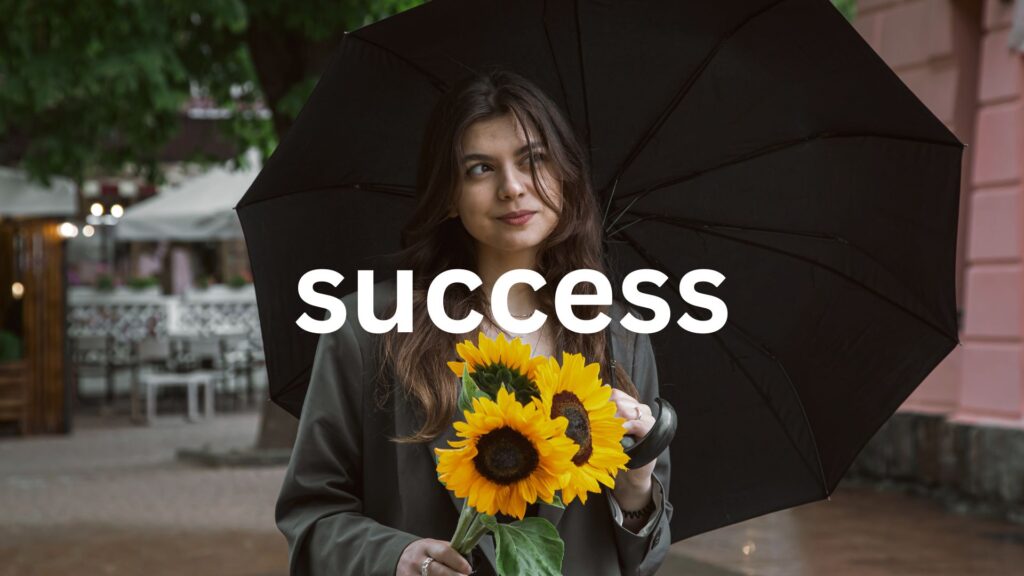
[490,378]
[505,456]
[568,405]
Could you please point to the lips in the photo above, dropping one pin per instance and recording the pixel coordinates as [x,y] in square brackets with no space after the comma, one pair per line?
[518,217]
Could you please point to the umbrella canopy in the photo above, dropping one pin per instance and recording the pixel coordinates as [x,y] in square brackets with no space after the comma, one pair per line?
[198,209]
[759,138]
[23,197]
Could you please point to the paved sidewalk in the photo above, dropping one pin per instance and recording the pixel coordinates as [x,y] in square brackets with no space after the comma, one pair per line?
[112,499]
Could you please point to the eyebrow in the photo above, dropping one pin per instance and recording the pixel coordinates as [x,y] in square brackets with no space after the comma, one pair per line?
[534,147]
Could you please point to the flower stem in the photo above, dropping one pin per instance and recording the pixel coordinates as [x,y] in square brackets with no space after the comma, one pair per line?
[469,530]
[476,531]
[466,519]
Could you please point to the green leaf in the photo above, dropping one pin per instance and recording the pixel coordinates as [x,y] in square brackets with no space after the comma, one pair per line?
[530,546]
[557,501]
[492,377]
[469,391]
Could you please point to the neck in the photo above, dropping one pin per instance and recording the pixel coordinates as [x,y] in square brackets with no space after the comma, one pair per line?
[492,264]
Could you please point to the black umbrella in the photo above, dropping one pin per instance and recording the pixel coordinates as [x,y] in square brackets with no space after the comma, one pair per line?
[761,139]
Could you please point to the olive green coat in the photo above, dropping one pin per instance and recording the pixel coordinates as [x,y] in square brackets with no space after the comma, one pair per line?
[352,500]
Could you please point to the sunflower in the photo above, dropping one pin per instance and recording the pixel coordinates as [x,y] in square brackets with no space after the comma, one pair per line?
[510,455]
[574,391]
[496,362]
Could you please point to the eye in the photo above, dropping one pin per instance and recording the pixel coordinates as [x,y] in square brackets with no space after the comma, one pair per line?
[470,172]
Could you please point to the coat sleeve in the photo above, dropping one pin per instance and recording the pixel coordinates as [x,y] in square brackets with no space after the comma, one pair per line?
[643,555]
[319,509]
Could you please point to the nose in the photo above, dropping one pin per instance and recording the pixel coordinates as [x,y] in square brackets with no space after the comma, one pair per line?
[512,185]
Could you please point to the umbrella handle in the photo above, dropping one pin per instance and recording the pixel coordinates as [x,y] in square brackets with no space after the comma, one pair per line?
[656,441]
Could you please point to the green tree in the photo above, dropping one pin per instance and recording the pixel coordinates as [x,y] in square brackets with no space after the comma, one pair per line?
[93,86]
[98,85]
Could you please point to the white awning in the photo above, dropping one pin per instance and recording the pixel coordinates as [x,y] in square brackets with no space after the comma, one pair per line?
[22,197]
[198,209]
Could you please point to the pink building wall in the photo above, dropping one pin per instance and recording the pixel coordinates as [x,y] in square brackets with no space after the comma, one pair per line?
[954,55]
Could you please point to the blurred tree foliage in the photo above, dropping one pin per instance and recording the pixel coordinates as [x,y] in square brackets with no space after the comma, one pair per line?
[847,7]
[98,85]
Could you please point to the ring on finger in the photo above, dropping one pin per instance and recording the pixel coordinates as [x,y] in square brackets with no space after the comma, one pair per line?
[425,566]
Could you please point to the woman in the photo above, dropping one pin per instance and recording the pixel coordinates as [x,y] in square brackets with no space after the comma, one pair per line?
[503,185]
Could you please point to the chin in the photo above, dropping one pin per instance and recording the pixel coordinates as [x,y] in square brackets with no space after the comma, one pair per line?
[512,245]
[517,247]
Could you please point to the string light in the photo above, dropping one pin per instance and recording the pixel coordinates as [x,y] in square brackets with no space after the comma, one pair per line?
[68,230]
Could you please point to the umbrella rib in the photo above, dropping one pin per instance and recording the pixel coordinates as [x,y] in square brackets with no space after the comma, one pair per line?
[393,189]
[390,189]
[776,147]
[293,383]
[554,60]
[644,216]
[436,82]
[684,90]
[583,75]
[792,387]
[612,233]
[608,207]
[655,262]
[704,230]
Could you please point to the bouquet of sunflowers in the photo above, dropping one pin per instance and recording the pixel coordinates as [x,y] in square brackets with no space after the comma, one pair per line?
[534,430]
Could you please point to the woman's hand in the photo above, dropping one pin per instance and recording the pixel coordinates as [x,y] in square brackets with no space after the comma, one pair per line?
[634,488]
[447,562]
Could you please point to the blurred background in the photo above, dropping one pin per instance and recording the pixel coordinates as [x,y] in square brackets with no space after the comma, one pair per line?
[135,432]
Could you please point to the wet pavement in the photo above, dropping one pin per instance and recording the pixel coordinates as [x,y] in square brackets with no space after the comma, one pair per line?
[859,532]
[112,499]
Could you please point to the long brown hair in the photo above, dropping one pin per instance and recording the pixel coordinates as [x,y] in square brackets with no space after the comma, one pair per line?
[432,242]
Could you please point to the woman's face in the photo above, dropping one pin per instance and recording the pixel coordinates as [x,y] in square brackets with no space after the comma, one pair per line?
[496,199]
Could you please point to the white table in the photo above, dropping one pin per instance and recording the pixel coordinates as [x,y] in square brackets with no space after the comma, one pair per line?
[153,381]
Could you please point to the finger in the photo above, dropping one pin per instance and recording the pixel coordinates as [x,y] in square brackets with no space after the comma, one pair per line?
[618,395]
[639,428]
[642,425]
[443,552]
[628,410]
[623,399]
[631,407]
[438,568]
